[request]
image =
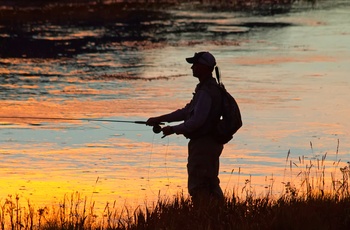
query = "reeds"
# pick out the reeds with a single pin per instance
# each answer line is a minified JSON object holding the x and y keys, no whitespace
{"x":309,"y":200}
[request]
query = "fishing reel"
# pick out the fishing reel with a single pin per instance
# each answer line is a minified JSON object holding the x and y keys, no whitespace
{"x":157,"y":128}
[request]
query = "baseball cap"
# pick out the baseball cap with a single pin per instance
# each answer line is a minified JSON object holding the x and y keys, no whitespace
{"x":204,"y":58}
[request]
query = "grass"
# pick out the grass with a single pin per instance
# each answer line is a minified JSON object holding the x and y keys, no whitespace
{"x":288,"y":212}
{"x":308,"y":206}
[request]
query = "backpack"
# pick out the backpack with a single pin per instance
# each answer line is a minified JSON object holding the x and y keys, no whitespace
{"x":230,"y":121}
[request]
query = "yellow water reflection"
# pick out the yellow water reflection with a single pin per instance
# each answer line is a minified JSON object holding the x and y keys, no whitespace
{"x":119,"y":170}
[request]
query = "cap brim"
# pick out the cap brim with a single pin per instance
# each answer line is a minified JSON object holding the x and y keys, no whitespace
{"x":190,"y":60}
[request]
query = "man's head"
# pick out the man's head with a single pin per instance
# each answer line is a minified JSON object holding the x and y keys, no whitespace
{"x":203,"y":64}
{"x":204,"y":58}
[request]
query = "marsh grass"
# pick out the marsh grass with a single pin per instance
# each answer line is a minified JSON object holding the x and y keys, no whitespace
{"x":320,"y":200}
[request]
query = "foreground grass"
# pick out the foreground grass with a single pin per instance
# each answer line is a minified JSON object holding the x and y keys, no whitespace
{"x":310,"y":206}
{"x":313,"y":212}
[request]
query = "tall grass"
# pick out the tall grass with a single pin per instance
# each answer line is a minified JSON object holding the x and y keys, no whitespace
{"x":319,"y":201}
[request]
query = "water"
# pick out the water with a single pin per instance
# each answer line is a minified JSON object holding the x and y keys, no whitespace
{"x":289,"y":74}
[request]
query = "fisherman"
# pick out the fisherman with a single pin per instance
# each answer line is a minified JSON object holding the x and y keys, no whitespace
{"x":199,"y":117}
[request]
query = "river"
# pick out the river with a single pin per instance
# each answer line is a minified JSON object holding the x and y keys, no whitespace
{"x":288,"y":72}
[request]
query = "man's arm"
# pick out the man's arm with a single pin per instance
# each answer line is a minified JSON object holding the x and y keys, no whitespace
{"x":200,"y":114}
{"x":177,"y":115}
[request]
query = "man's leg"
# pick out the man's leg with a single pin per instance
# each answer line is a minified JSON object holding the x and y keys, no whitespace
{"x":203,"y":170}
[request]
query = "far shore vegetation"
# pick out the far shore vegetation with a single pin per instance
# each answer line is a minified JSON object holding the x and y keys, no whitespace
{"x":77,"y":11}
{"x":320,"y":200}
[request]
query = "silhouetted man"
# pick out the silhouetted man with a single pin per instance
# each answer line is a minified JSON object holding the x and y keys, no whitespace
{"x":199,"y":117}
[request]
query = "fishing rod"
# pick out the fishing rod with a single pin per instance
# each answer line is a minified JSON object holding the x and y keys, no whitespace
{"x":156,"y":128}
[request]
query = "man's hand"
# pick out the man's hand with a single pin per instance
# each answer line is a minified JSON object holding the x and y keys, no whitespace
{"x":153,"y":121}
{"x":167,"y":130}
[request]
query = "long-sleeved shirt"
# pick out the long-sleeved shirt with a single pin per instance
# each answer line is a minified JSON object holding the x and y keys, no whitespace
{"x":196,"y":113}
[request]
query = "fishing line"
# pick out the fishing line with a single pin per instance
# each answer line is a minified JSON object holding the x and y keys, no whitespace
{"x":165,"y":163}
{"x":166,"y":166}
{"x":149,"y":165}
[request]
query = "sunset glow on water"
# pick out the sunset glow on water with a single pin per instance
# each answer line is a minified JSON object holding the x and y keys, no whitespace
{"x":291,"y":84}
